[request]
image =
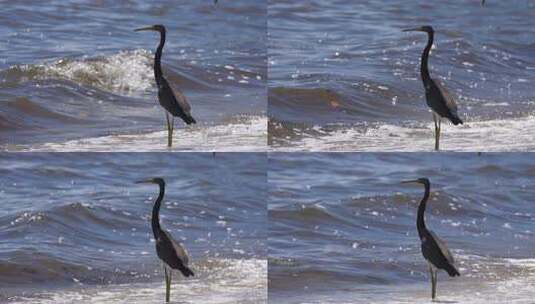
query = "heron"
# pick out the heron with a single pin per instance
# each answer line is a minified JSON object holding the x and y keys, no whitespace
{"x":171,"y":252}
{"x":171,"y":99}
{"x":433,"y":248}
{"x":438,"y":98}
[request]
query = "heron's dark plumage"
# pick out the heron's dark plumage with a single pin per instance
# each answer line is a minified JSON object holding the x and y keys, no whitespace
{"x":172,"y":253}
{"x":441,"y":102}
{"x":174,"y":102}
{"x":170,"y":98}
{"x":168,"y":249}
{"x":434,"y":249}
{"x":437,"y":253}
{"x":437,"y":96}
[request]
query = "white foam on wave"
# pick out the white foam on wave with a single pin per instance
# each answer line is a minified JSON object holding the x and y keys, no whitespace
{"x":513,"y":288}
{"x":126,"y":73}
{"x":480,"y":136}
{"x":237,"y":281}
{"x":244,"y":135}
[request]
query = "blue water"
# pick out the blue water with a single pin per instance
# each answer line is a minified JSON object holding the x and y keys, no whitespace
{"x":343,"y":228}
{"x":344,"y":77}
{"x":73,"y":70}
{"x":78,"y":222}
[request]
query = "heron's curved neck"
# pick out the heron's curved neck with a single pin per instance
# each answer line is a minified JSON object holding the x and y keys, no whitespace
{"x":156,"y":213}
{"x":424,"y":71}
{"x":420,"y":221}
{"x":158,"y":58}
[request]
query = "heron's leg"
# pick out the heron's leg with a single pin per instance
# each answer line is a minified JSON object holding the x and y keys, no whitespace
{"x":435,"y":120}
{"x":432,"y":282}
{"x":434,"y":291}
{"x":437,"y":131}
{"x":167,"y":284}
{"x":169,"y":131}
{"x":172,"y":126}
{"x":167,"y":119}
{"x":439,"y":127}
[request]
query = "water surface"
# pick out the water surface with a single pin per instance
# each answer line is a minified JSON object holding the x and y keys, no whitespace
{"x":74,"y":73}
{"x":342,"y":229}
{"x":343,"y":77}
{"x":75,"y":228}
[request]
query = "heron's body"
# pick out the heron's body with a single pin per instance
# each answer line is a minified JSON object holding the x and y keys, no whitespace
{"x":174,"y":102}
{"x":441,"y":102}
{"x":435,"y":252}
{"x":433,"y":248}
{"x":171,"y":252}
{"x":437,"y":96}
{"x":170,"y":98}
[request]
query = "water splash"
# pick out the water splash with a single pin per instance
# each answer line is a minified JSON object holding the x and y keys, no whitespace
{"x":126,"y":73}
{"x":247,"y":134}
{"x":235,"y":281}
{"x":506,"y":135}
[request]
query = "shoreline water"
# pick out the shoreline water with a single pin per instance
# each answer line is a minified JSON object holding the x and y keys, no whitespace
{"x":344,"y":77}
{"x":343,"y":228}
{"x":95,"y":77}
{"x":231,"y":281}
{"x":75,"y":227}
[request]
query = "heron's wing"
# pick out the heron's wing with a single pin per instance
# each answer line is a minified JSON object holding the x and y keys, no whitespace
{"x":448,"y":98}
{"x":181,"y":99}
{"x":180,"y":251}
{"x":443,"y":248}
{"x":171,"y":96}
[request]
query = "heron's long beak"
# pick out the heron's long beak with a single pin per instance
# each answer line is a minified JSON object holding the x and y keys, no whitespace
{"x":411,"y":181}
{"x":148,"y":28}
{"x":146,"y":181}
{"x":415,"y":29}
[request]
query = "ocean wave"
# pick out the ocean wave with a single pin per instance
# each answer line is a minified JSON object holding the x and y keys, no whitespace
{"x":511,"y":134}
{"x":364,"y":102}
{"x":73,"y":224}
{"x":305,"y":213}
{"x":89,"y":97}
{"x":125,"y":73}
{"x":30,"y":266}
{"x":128,"y":73}
{"x":241,"y":133}
{"x":218,"y":281}
{"x":24,"y":114}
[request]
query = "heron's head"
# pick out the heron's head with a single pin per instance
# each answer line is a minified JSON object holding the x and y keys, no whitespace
{"x":424,"y":181}
{"x":154,"y":180}
{"x":157,"y":27}
{"x":426,"y":28}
